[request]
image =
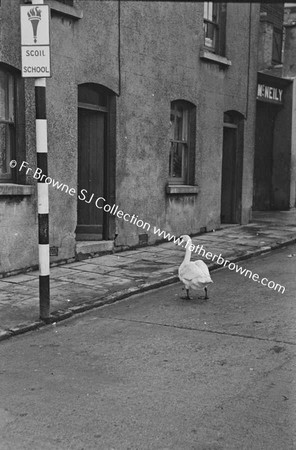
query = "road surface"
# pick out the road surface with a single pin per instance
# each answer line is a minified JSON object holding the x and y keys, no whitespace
{"x":159,"y":372}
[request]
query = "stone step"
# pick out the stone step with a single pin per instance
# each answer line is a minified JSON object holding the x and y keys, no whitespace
{"x":87,"y":249}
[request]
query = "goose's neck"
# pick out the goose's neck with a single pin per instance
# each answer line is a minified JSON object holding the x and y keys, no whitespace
{"x":188,"y":252}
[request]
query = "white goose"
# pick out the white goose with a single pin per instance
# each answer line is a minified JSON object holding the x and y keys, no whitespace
{"x":195,"y":274}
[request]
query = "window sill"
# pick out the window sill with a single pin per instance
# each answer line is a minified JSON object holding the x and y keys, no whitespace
{"x":65,"y":10}
{"x":8,"y":189}
{"x":173,"y":189}
{"x":213,"y":57}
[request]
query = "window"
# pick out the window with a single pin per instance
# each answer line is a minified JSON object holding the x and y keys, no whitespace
{"x":277,"y":46}
{"x":214,"y":27}
{"x":182,"y":142}
{"x":12,"y":130}
{"x":7,"y":123}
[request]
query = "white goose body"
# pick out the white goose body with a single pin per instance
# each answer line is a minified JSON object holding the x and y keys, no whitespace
{"x":193,"y":274}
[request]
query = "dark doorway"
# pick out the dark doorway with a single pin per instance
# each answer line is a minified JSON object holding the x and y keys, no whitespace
{"x":91,"y":156}
{"x":232,"y":168}
{"x":96,"y":162}
{"x":263,"y":159}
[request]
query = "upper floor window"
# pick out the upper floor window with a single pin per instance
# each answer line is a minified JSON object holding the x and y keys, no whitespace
{"x":214,"y":27}
{"x":182,"y":142}
{"x":277,"y":46}
{"x":12,"y":130}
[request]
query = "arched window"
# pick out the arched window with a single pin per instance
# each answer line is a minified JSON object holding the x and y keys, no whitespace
{"x":182,"y":142}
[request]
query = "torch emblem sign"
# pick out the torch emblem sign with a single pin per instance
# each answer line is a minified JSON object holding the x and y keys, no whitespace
{"x":34,"y":16}
{"x":35,"y":43}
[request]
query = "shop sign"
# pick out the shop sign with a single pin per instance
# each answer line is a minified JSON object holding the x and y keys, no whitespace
{"x":269,"y":94}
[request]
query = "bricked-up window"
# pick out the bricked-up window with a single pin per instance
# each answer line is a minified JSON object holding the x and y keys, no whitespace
{"x":182,"y":142}
{"x":214,"y":27}
{"x":277,"y":46}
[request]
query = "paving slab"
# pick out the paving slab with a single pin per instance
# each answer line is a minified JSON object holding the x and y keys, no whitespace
{"x":94,"y":268}
{"x":82,"y":285}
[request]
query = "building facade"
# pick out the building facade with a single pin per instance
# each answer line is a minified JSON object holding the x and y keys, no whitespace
{"x":275,"y":153}
{"x":151,"y":123}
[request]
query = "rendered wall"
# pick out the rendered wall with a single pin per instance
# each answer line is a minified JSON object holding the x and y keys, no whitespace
{"x":18,"y":218}
{"x":159,"y":66}
{"x":156,"y":62}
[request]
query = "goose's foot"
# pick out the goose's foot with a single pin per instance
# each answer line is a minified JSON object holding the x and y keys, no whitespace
{"x":206,"y":294}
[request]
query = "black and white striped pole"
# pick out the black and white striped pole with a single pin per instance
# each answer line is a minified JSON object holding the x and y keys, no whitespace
{"x":42,"y":193}
{"x":35,"y":47}
{"x":42,"y":188}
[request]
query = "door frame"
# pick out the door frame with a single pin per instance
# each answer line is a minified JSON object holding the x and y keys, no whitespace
{"x":235,"y":120}
{"x":268,"y":111}
{"x":91,"y":110}
{"x":109,"y":186}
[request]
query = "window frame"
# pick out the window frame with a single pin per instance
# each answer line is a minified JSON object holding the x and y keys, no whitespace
{"x":275,"y":52}
{"x":215,"y":16}
{"x":16,"y":125}
{"x":9,"y":122}
{"x":187,"y":141}
{"x":211,"y":18}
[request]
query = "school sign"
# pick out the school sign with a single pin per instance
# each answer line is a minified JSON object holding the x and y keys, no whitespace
{"x":35,"y":41}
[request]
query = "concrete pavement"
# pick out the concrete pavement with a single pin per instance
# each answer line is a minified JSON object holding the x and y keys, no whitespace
{"x":83,"y":285}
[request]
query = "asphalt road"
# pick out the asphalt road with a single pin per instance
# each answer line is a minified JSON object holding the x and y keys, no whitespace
{"x":159,"y":372}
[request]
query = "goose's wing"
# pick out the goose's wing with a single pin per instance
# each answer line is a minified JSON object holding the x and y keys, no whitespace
{"x":203,"y":271}
{"x":191,"y":271}
{"x":195,"y":274}
{"x":186,"y":272}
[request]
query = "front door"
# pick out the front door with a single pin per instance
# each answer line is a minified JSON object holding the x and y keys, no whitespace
{"x":91,"y":159}
{"x":228,"y":188}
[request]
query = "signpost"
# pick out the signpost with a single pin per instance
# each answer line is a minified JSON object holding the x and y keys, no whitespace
{"x":36,"y":64}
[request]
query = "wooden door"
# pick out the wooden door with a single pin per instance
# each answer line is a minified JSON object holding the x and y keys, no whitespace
{"x":91,"y":157}
{"x":229,"y":175}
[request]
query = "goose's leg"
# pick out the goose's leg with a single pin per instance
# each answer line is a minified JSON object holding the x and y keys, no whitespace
{"x":206,"y":294}
{"x":187,"y":294}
